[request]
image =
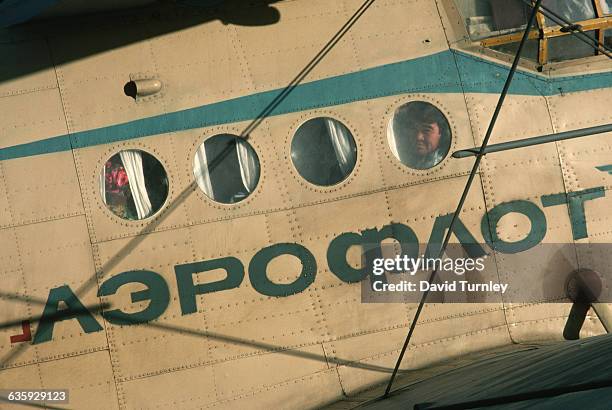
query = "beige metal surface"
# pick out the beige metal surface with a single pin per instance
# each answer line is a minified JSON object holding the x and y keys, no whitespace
{"x":242,"y":348}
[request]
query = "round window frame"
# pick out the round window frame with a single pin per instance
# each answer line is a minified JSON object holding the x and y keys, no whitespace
{"x":198,"y":142}
{"x":387,"y":120}
{"x":294,"y":171}
{"x":108,"y":154}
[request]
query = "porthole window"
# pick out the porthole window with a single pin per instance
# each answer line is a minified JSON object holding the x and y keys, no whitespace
{"x":323,"y":151}
{"x":133,"y":184}
{"x":226,"y":168}
{"x":419,"y":135}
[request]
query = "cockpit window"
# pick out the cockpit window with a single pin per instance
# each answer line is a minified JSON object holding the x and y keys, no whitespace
{"x":487,"y":18}
{"x":530,"y":51}
{"x":133,"y":184}
{"x":571,"y":10}
{"x":226,"y":168}
{"x":607,"y":10}
{"x":569,"y":47}
{"x":498,"y":25}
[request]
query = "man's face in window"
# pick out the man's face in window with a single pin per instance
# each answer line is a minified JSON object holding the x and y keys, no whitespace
{"x":427,"y":138}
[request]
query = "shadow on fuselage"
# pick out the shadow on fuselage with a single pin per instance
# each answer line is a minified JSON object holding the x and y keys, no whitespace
{"x":173,"y":205}
{"x":129,"y":27}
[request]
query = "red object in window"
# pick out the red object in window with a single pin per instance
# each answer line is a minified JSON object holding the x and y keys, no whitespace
{"x":115,"y":178}
{"x":121,"y":178}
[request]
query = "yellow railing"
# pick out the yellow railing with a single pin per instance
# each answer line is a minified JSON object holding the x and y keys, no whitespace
{"x":544,"y":32}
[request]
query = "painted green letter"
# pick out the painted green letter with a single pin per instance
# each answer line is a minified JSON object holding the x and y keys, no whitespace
{"x":157,"y":293}
{"x":75,"y":310}
{"x":336,"y":257}
{"x":466,"y":239}
{"x":259,"y":264}
{"x":370,"y":242}
{"x":537,"y":232}
{"x":575,"y":202}
{"x":187,"y":290}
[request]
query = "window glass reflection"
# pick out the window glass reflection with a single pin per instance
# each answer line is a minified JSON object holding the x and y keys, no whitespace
{"x":133,"y":184}
{"x":530,"y":50}
{"x":570,"y":10}
{"x":226,"y":168}
{"x":569,"y":47}
{"x":487,"y":18}
{"x":323,"y":151}
{"x":419,"y":135}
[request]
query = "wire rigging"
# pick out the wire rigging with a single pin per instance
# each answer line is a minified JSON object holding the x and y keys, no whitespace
{"x":471,"y":177}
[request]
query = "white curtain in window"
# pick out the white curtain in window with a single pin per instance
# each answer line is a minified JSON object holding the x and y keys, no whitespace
{"x":341,"y":141}
{"x":248,"y":166}
{"x":391,"y":139}
{"x":200,"y":170}
{"x":132,"y":162}
{"x":103,"y":183}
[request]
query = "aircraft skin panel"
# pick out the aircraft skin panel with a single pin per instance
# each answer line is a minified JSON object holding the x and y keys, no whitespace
{"x":49,"y":255}
{"x":355,"y":375}
{"x":25,"y":119}
{"x":578,"y":160}
{"x":26,"y":55}
{"x":268,"y":52}
{"x":393,"y":37}
{"x":240,"y":347}
{"x":89,"y":378}
{"x":546,"y":176}
{"x":92,"y":86}
{"x":280,"y":51}
{"x":26,"y":180}
{"x":5,"y":215}
{"x":272,"y":371}
{"x":216,"y":68}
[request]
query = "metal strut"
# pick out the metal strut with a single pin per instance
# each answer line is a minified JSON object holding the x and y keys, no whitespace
{"x":479,"y":156}
{"x":528,"y":142}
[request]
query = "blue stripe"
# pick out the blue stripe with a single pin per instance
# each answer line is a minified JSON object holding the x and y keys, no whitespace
{"x":46,"y":146}
{"x":445,"y":72}
{"x":482,"y":76}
